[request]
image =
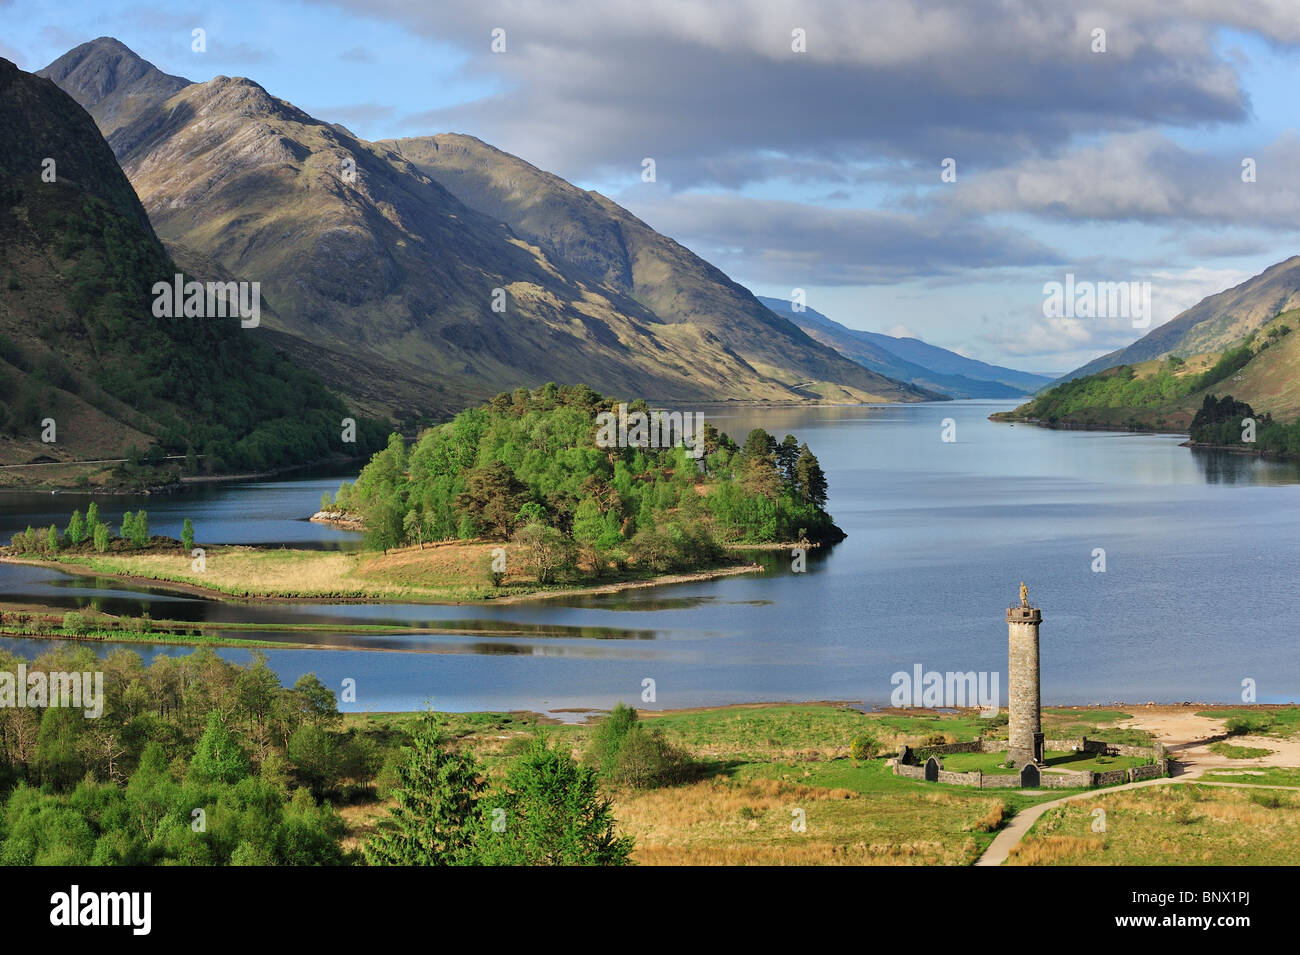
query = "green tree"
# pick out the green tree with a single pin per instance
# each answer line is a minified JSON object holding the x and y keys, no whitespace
{"x":552,"y":813}
{"x":76,"y":528}
{"x":545,"y":552}
{"x":218,"y":757}
{"x":92,"y":518}
{"x":492,"y":497}
{"x":316,"y":701}
{"x":187,"y":535}
{"x":810,"y":482}
{"x":101,"y":537}
{"x":436,"y":815}
{"x":52,"y":539}
{"x":140,"y":529}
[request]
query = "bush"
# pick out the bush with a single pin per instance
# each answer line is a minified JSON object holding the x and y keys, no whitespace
{"x":865,"y":745}
{"x":624,"y":751}
{"x":1245,"y":725}
{"x":75,"y":622}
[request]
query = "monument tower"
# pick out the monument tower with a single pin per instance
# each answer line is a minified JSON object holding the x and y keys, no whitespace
{"x":1024,"y":730}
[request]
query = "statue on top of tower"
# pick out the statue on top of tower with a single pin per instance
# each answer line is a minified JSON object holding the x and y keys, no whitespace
{"x":1024,"y":594}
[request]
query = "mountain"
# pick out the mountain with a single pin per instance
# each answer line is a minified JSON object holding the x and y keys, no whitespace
{"x":111,"y":83}
{"x":84,"y":361}
{"x":1215,"y":323}
{"x":592,"y":237}
{"x":391,"y":286}
{"x":912,"y":360}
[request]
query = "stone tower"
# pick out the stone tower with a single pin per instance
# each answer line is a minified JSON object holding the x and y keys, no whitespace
{"x":1024,"y":731}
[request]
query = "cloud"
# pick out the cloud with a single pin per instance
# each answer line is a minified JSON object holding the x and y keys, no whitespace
{"x":715,"y":93}
{"x":239,"y":52}
{"x":759,"y":240}
{"x":1077,"y":340}
{"x":1143,"y":177}
{"x":357,"y":54}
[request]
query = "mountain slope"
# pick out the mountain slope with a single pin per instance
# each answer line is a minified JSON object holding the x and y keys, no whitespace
{"x":1263,"y":370}
{"x":79,"y":343}
{"x":1213,"y":324}
{"x":607,"y":244}
{"x":929,"y":366}
{"x":386,"y":278}
{"x":111,"y":82}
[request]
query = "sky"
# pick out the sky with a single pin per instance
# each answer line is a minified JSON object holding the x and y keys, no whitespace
{"x":803,"y":146}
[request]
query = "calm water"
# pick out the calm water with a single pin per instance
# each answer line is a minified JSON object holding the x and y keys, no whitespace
{"x":1199,"y":590}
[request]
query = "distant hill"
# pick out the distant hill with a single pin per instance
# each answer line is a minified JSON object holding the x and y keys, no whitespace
{"x":1213,"y":324}
{"x":385,"y":275}
{"x":79,"y":343}
{"x":912,"y":360}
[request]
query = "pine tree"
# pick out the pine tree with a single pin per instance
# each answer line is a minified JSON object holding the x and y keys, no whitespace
{"x":436,"y":814}
{"x":187,"y":535}
{"x":810,"y":481}
{"x":551,"y":813}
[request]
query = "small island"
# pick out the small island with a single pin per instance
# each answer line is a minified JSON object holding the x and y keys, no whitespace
{"x":515,"y":499}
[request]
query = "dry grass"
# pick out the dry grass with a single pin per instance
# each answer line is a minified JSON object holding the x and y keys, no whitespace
{"x":749,"y":822}
{"x":1054,"y":850}
{"x":1169,"y":825}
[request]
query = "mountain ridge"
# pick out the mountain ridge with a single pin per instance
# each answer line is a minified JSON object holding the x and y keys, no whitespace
{"x":363,"y":254}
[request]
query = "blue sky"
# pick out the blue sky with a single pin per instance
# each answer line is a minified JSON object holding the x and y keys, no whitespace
{"x":820,"y":170}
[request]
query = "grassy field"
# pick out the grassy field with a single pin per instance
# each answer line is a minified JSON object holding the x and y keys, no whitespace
{"x":1281,"y":721}
{"x":1168,"y":825}
{"x":758,"y":765}
{"x":1239,"y":752}
{"x":452,"y":573}
{"x":1256,"y":776}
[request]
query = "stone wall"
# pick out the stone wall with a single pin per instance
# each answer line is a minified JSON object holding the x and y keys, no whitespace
{"x":1066,"y":781}
{"x":1110,"y":777}
{"x":907,"y":765}
{"x":1159,"y":768}
{"x":922,"y":753}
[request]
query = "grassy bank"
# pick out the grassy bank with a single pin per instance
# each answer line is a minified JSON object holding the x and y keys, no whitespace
{"x":443,"y":573}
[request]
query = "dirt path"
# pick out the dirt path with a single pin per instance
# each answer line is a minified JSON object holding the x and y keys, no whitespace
{"x":1188,"y":738}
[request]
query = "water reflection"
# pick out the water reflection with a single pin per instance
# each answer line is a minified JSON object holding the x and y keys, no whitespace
{"x":1227,"y":467}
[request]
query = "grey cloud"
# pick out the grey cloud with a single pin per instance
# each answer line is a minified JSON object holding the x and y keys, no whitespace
{"x":1143,"y":177}
{"x":766,"y":240}
{"x":598,"y":86}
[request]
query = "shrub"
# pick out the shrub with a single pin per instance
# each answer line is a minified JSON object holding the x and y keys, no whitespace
{"x":75,"y":622}
{"x":626,"y":752}
{"x":865,"y":745}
